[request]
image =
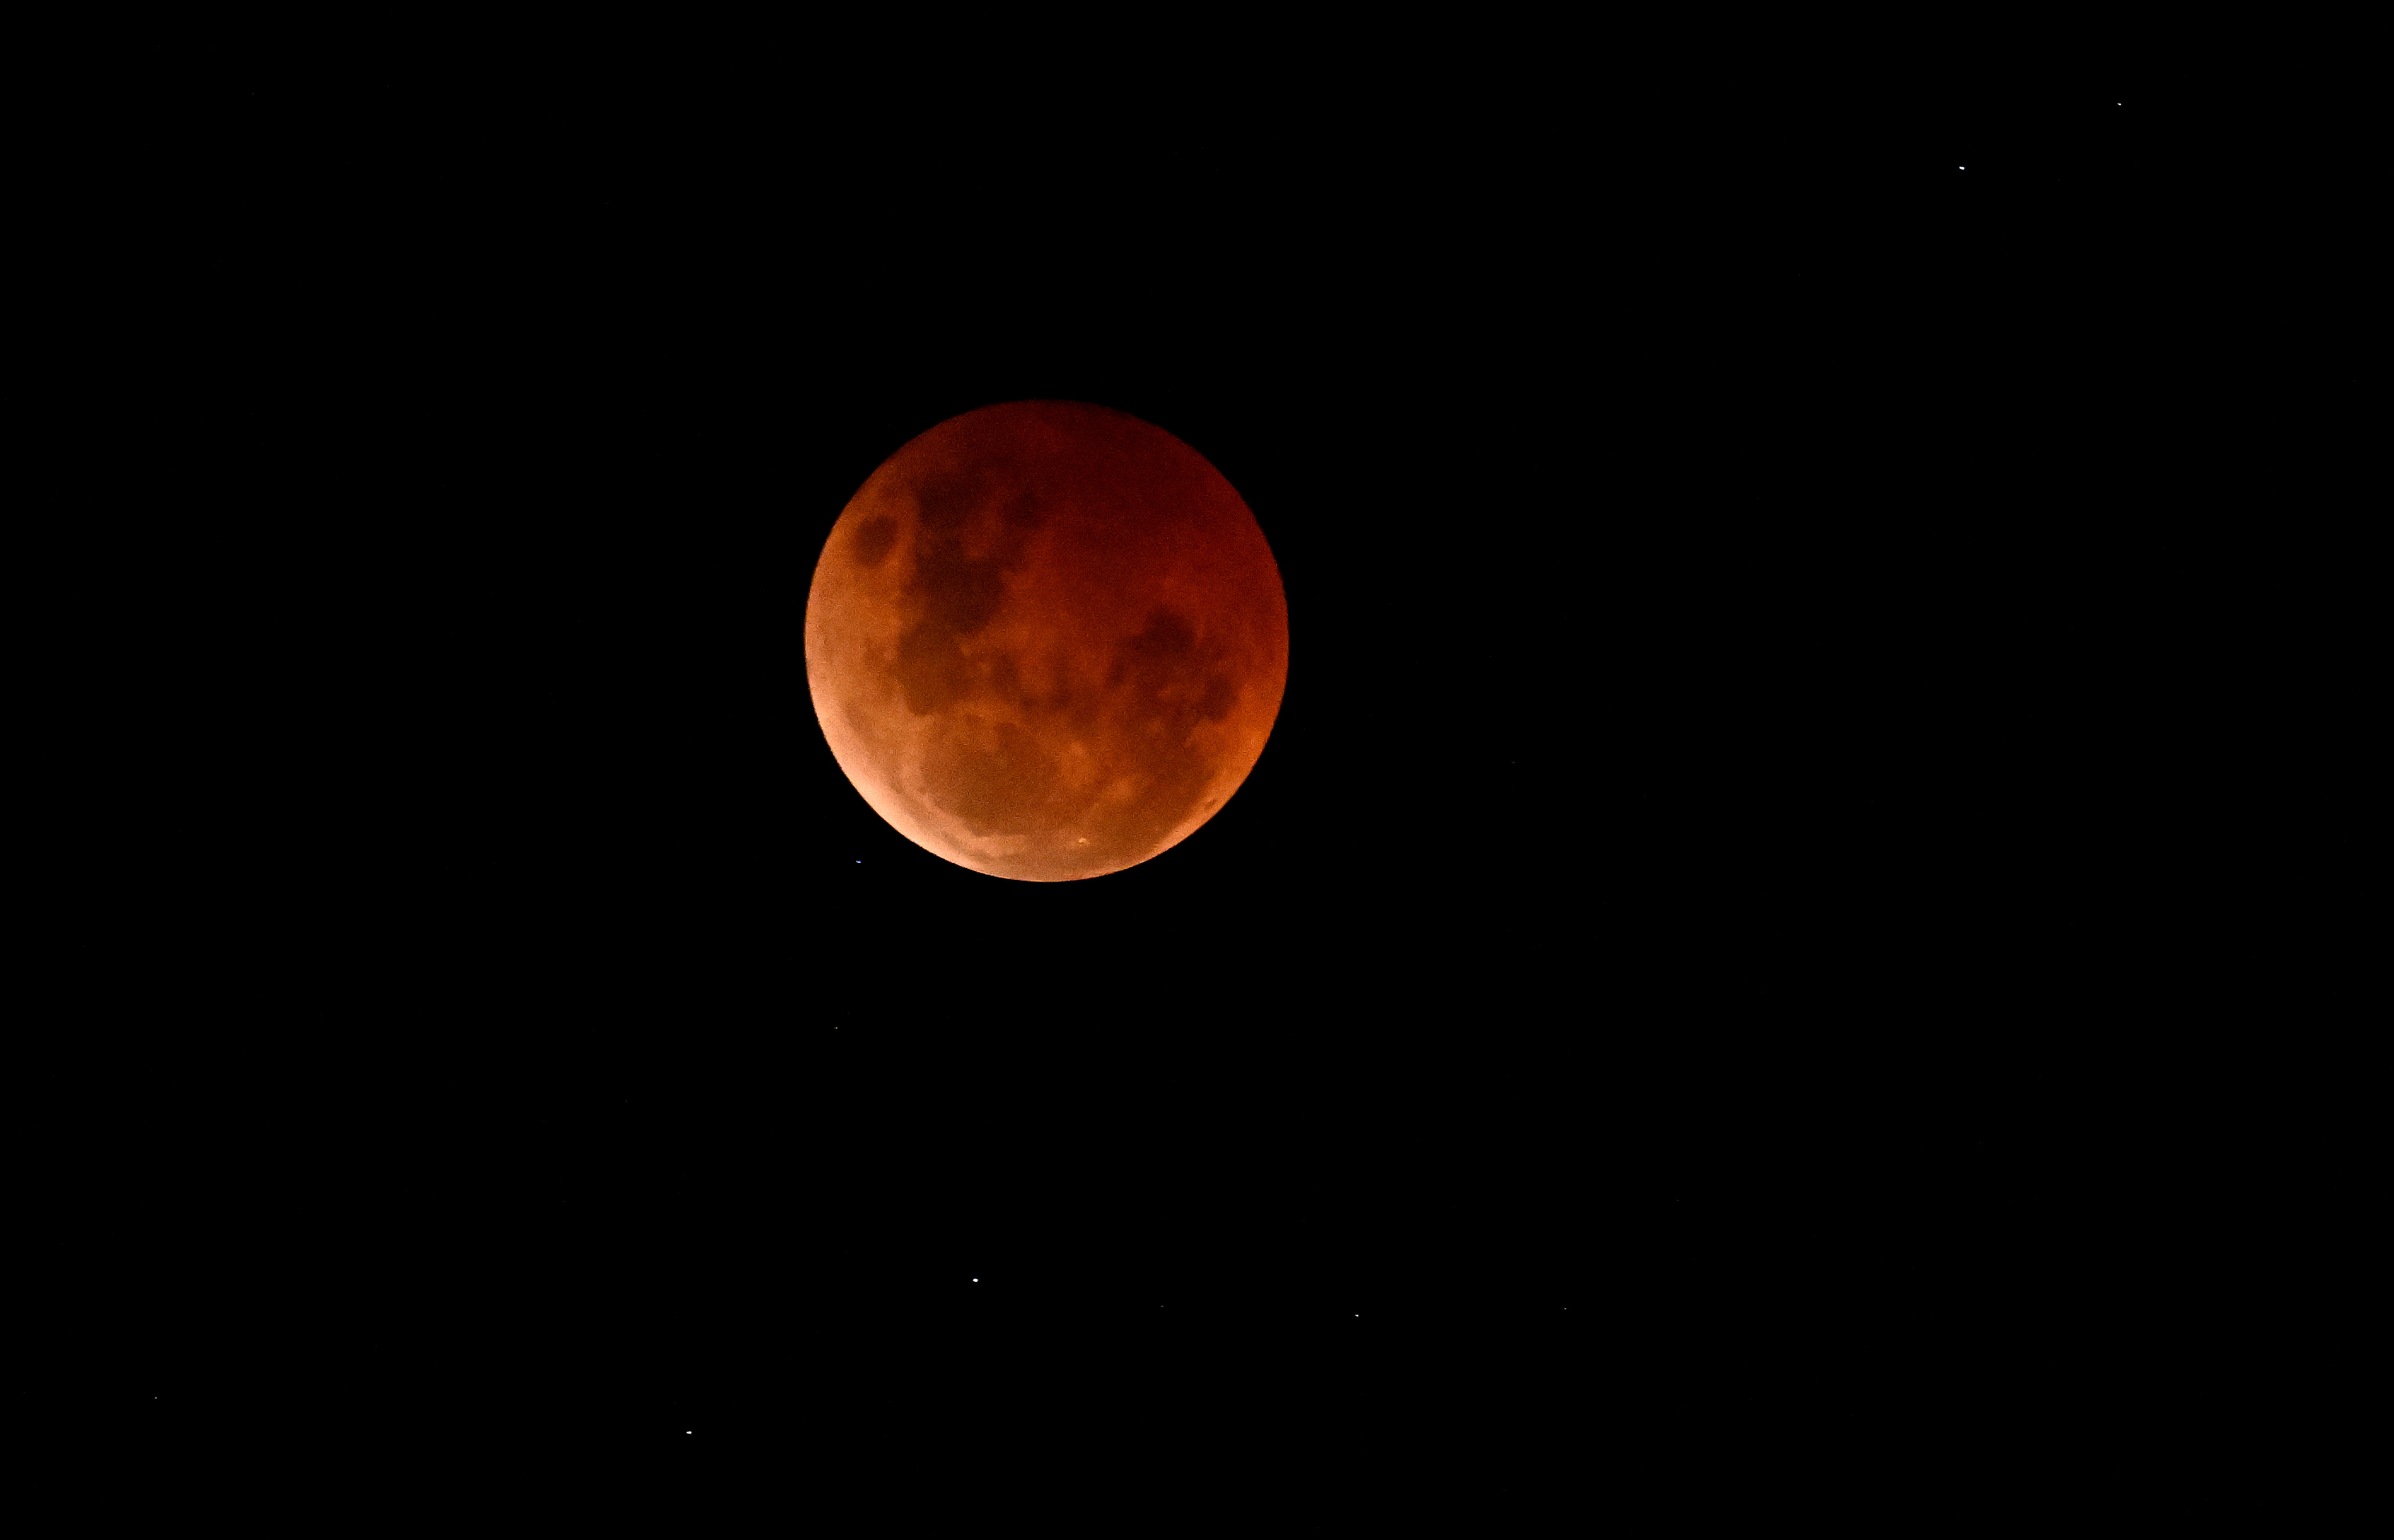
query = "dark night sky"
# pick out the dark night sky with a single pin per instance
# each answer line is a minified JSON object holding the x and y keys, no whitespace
{"x":1611,"y":959}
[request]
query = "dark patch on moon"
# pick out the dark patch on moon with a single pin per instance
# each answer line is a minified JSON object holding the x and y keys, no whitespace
{"x":950,"y":594}
{"x":1219,"y":697}
{"x":944,"y":500}
{"x":874,"y":539}
{"x":954,"y":595}
{"x":1167,"y":639}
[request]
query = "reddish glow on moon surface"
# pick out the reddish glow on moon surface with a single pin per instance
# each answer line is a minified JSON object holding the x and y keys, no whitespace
{"x":1047,"y":640}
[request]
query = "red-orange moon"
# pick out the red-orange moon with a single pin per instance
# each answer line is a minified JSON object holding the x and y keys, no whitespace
{"x":1047,"y":640}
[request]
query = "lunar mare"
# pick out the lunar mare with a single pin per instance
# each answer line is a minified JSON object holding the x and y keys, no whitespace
{"x":1047,"y":640}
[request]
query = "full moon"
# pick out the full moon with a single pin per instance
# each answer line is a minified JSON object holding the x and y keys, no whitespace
{"x":1047,"y":640}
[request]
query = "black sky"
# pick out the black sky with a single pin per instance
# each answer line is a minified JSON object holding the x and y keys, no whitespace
{"x":1613,"y":957}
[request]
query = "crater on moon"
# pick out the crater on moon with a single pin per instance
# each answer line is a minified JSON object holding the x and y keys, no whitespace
{"x":1047,"y":640}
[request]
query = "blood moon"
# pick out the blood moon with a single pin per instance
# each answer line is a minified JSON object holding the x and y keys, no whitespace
{"x":1047,"y":640}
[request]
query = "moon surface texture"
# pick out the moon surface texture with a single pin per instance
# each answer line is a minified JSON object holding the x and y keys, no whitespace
{"x":1047,"y":640}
